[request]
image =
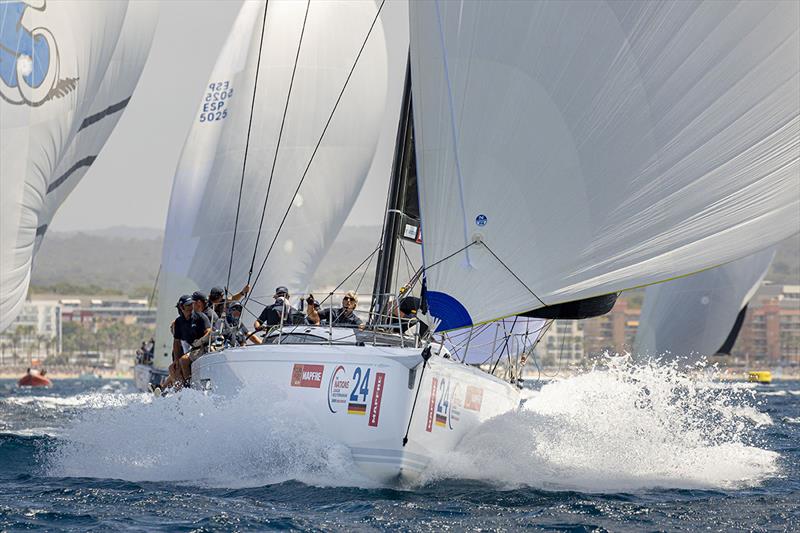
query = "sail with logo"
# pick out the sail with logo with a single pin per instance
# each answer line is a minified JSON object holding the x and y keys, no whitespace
{"x":67,"y":71}
{"x":566,"y":151}
{"x":299,"y":176}
{"x":700,"y":315}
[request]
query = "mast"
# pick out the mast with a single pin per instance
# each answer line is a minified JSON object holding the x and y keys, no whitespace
{"x":402,"y":205}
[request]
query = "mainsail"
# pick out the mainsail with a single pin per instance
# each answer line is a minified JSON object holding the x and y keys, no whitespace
{"x":67,"y":70}
{"x":205,"y":196}
{"x":691,"y":317}
{"x":568,"y":150}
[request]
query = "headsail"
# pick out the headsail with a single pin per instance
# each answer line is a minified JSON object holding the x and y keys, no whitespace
{"x":691,"y":317}
{"x":568,"y":150}
{"x":59,"y":62}
{"x":203,"y":207}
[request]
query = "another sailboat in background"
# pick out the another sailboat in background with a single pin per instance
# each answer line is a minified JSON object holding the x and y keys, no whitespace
{"x":700,"y":315}
{"x":239,"y":116}
{"x":562,"y":153}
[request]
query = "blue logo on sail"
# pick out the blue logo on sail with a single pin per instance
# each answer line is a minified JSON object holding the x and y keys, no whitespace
{"x":29,"y":60}
{"x":481,"y":220}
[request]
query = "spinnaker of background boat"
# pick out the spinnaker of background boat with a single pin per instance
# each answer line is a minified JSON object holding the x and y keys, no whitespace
{"x":67,"y":72}
{"x":695,"y":316}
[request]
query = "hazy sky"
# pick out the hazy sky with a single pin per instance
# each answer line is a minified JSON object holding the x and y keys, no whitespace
{"x":130,"y":183}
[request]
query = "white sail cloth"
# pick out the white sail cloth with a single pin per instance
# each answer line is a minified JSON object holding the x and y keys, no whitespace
{"x":67,"y":70}
{"x":593,"y":147}
{"x":691,"y":317}
{"x":203,"y":206}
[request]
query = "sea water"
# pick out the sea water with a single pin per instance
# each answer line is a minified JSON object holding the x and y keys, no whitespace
{"x":622,"y":447}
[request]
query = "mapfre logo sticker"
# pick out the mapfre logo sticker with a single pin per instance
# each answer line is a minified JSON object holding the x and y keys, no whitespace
{"x":307,"y":375}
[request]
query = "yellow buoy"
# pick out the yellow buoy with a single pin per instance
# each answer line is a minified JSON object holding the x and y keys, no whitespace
{"x":760,"y":376}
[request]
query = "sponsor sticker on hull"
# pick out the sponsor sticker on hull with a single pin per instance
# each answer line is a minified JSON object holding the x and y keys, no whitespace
{"x":473,"y":398}
{"x":354,"y":391}
{"x":431,"y":406}
{"x":307,"y":375}
{"x":377,"y":394}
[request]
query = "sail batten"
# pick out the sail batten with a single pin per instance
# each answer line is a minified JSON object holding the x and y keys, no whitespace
{"x":600,"y":147}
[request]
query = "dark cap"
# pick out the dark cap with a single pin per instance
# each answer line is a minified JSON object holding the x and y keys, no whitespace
{"x":216,"y":293}
{"x":281,"y":290}
{"x":199,"y":295}
{"x":183,"y":300}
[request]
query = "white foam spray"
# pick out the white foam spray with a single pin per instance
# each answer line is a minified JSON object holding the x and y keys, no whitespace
{"x":627,"y":427}
{"x":195,"y":438}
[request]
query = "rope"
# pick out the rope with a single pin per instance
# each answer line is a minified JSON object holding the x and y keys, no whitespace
{"x":246,"y":147}
{"x":512,"y":273}
{"x":319,"y":142}
{"x":278,"y":144}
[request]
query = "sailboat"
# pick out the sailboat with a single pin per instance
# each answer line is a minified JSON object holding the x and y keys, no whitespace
{"x":700,"y":315}
{"x":67,"y":72}
{"x":561,"y":153}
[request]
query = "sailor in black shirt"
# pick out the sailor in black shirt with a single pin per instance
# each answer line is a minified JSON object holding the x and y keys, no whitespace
{"x":271,"y":315}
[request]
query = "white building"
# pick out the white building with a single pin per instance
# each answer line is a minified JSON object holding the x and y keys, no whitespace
{"x":562,"y":344}
{"x":38,"y":318}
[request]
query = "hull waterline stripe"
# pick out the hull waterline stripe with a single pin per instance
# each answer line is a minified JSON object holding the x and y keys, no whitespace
{"x":110,"y":110}
{"x":391,"y":453}
{"x":85,"y":162}
{"x":386,"y":460}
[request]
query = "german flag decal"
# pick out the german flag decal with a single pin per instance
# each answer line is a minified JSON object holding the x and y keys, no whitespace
{"x":356,"y":408}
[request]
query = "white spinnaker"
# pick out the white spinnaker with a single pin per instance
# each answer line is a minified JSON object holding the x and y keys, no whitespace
{"x":54,"y":57}
{"x":204,"y":199}
{"x":106,"y":109}
{"x":691,"y":317}
{"x":598,"y":146}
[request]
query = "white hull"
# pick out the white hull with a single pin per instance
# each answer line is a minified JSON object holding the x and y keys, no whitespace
{"x":362,"y":396}
{"x":146,"y":375}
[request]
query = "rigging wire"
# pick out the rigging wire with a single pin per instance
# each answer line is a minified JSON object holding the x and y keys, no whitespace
{"x":155,"y":288}
{"x":278,"y":144}
{"x":246,"y":147}
{"x":319,"y":142}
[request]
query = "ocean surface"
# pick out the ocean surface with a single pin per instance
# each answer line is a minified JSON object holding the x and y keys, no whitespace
{"x":627,"y":448}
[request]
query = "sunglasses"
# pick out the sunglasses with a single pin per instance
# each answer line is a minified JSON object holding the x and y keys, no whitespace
{"x":347,"y":298}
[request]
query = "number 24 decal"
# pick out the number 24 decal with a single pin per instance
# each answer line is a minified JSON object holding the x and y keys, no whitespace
{"x":443,"y":404}
{"x":361,"y":387}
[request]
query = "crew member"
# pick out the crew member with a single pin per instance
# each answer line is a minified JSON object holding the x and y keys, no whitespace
{"x":407,"y":312}
{"x":234,"y":331}
{"x":277,"y":312}
{"x":189,"y":329}
{"x":216,"y":298}
{"x":343,"y":316}
{"x":201,"y":305}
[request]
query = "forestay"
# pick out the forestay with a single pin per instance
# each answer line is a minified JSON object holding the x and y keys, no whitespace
{"x":691,"y":317}
{"x":63,"y":67}
{"x":203,"y":206}
{"x":569,"y":149}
